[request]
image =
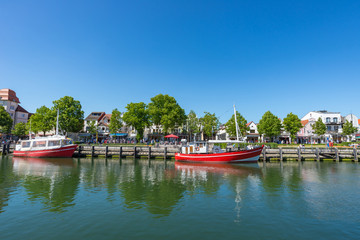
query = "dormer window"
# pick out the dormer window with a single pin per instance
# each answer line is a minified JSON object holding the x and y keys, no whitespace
{"x":327,"y":120}
{"x":335,"y":120}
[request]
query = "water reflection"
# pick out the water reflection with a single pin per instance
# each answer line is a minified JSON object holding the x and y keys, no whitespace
{"x":53,"y":182}
{"x":159,"y":188}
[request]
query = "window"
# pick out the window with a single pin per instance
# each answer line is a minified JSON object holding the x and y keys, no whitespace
{"x":12,"y":108}
{"x":66,"y":142}
{"x":336,"y":128}
{"x":335,"y":119}
{"x":54,"y":143}
{"x":23,"y":115}
{"x":327,"y":120}
{"x":329,"y":128}
{"x":25,"y":144}
{"x":39,"y":144}
{"x":252,"y":131}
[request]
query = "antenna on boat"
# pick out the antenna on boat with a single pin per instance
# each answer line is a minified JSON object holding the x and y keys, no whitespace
{"x":30,"y":130}
{"x":57,"y":123}
{"x":236,"y":125}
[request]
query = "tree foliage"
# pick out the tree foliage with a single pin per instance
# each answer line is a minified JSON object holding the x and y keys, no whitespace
{"x":231,"y":127}
{"x":71,"y":116}
{"x":165,"y":111}
{"x":137,"y":116}
{"x":5,"y":121}
{"x":319,"y":127}
{"x":92,"y":128}
{"x":43,"y":120}
{"x":270,"y":125}
{"x":210,"y":123}
{"x":192,"y":122}
{"x":348,"y":128}
{"x":115,"y":121}
{"x":292,"y":124}
{"x":19,"y":129}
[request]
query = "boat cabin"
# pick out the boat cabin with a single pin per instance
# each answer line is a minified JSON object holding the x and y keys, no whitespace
{"x":47,"y":143}
{"x":199,"y":147}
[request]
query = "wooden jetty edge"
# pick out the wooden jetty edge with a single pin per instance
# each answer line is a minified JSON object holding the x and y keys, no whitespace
{"x":168,"y":152}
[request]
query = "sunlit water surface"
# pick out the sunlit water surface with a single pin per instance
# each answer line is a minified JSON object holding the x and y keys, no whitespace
{"x":99,"y":199}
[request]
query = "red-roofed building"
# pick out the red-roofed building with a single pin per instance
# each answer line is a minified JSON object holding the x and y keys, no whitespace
{"x":10,"y":102}
{"x":252,"y":134}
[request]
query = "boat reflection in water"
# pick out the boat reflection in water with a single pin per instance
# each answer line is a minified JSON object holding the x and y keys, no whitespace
{"x":41,"y":166}
{"x":238,"y":177}
{"x":225,"y":169}
{"x":51,"y":182}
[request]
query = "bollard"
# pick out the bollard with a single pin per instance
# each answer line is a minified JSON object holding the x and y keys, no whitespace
{"x":165,"y":152}
{"x":337,"y":158}
{"x":79,"y":151}
{"x":149,"y":156}
{"x":264,"y":154}
{"x":317,"y":155}
{"x":299,"y":154}
{"x":120,"y":153}
{"x":355,"y":155}
{"x":134,"y":152}
{"x":106,"y":152}
{"x":281,"y":154}
{"x":92,"y":151}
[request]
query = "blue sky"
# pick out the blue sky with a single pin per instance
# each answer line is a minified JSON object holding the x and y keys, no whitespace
{"x":283,"y":56}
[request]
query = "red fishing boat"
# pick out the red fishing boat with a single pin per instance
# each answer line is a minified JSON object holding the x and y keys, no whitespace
{"x":54,"y":146}
{"x":198,"y":152}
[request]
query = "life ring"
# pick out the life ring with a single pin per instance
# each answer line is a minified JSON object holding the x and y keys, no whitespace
{"x":197,"y":148}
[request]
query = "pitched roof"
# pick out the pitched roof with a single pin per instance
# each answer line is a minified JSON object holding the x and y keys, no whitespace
{"x":95,"y":116}
{"x":21,"y":109}
{"x":108,"y":116}
{"x":248,"y":124}
{"x":304,"y":122}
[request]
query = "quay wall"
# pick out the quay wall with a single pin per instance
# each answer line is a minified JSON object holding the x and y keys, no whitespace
{"x":168,"y":152}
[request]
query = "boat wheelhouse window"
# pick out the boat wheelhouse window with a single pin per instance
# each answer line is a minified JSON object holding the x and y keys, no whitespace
{"x":53,"y":143}
{"x":66,"y":142}
{"x":39,"y":144}
{"x":25,"y":144}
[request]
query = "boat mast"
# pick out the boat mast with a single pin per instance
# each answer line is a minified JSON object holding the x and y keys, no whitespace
{"x":236,"y":125}
{"x":57,"y":123}
{"x":30,"y":130}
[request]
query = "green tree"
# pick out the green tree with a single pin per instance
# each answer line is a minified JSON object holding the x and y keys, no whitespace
{"x":231,"y":127}
{"x":165,"y":111}
{"x":115,"y":121}
{"x":319,"y":127}
{"x":71,"y":116}
{"x":292,"y":124}
{"x":43,"y":120}
{"x":5,"y":121}
{"x":210,"y":123}
{"x":92,"y":128}
{"x":192,"y":123}
{"x":270,"y":125}
{"x":137,"y":116}
{"x":19,"y":129}
{"x":348,"y":128}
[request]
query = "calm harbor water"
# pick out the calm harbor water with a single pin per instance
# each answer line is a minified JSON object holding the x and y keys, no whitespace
{"x":84,"y":199}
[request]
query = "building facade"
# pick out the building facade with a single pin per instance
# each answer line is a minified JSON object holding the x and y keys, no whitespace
{"x":10,"y":102}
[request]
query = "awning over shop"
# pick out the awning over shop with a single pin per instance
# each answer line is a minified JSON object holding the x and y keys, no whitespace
{"x":119,"y":134}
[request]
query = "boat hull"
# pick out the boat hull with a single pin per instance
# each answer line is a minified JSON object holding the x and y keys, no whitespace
{"x":66,"y":151}
{"x":246,"y":156}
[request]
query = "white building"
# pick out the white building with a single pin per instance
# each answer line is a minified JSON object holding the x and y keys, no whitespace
{"x":332,"y":120}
